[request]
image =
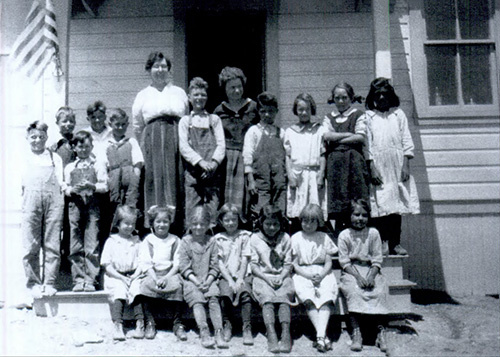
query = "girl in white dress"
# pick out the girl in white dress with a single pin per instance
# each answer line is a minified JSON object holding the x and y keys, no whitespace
{"x":314,"y":281}
{"x":393,"y":192}
{"x":120,"y":261}
{"x":305,"y":160}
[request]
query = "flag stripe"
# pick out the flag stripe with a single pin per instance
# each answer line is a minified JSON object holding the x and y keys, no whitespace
{"x":37,"y":44}
{"x":29,"y":32}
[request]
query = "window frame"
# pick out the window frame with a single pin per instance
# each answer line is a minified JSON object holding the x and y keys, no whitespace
{"x":419,"y":76}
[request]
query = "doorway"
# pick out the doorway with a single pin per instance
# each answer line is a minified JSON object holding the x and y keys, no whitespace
{"x":217,"y":40}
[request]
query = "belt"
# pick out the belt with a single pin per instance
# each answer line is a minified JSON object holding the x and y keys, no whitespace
{"x":171,"y":119}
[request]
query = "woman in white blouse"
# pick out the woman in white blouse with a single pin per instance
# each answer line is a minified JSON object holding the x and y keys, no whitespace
{"x":156,"y":112}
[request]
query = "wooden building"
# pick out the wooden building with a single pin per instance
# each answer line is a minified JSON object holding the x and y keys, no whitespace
{"x":442,"y":57}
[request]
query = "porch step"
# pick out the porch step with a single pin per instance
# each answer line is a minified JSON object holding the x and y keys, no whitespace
{"x":95,"y":304}
{"x":74,"y":304}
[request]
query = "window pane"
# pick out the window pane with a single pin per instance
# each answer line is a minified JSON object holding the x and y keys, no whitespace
{"x":476,"y":78}
{"x":473,"y":18}
{"x":440,"y":19}
{"x":441,"y":69}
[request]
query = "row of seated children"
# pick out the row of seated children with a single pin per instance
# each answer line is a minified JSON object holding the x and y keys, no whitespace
{"x":235,"y":267}
{"x":86,"y":180}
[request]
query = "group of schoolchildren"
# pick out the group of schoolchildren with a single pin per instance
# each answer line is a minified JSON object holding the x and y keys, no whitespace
{"x":310,"y":179}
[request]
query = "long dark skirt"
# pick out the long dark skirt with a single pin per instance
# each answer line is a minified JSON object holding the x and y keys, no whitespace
{"x":163,"y":174}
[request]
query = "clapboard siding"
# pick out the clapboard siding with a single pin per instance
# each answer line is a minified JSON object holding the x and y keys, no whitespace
{"x":107,"y":57}
{"x":317,"y":50}
{"x":465,"y":256}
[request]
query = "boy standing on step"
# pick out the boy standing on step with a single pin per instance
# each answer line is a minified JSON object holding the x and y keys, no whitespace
{"x":83,"y":180}
{"x":42,"y":209}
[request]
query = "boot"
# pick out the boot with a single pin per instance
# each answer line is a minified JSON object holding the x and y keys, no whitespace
{"x":139,"y":330}
{"x":381,"y":341}
{"x":247,"y":334}
{"x":286,"y":339}
{"x":118,"y":334}
{"x":227,"y":332}
{"x":219,"y":339}
{"x":180,"y":332}
{"x":206,"y":340}
{"x":150,"y":332}
{"x":357,"y":340}
{"x":272,"y":339}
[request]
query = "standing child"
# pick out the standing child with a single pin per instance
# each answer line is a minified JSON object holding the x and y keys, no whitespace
{"x":159,"y":259}
{"x":264,"y":159}
{"x":390,"y":147}
{"x":66,"y":121}
{"x":271,"y":265}
{"x":362,"y":282}
{"x":84,"y":179}
{"x":199,"y":266}
{"x":305,"y":160}
{"x":120,"y":261}
{"x":237,"y":114}
{"x":125,"y":161}
{"x":96,"y":115}
{"x":315,"y":283}
{"x":235,"y":284}
{"x":42,"y":210}
{"x":202,"y":145}
{"x":347,"y":173}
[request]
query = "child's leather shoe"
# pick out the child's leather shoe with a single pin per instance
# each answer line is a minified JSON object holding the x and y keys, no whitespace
{"x":219,"y":339}
{"x":357,"y":340}
{"x":207,"y":340}
{"x":150,"y":331}
{"x":139,"y":332}
{"x":118,"y":334}
{"x":381,"y":340}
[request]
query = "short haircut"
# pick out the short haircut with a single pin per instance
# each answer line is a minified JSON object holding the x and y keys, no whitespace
{"x":98,"y":106}
{"x":155,"y":211}
{"x":359,"y":203}
{"x":65,"y":112}
{"x":124,"y":212}
{"x":271,"y":212}
{"x":381,"y":85}
{"x":313,"y":211}
{"x":198,"y":83}
{"x":350,"y":92}
{"x":117,"y":114}
{"x":229,"y":73}
{"x":199,"y":213}
{"x":228,"y":208}
{"x":37,"y":125}
{"x":305,"y":97}
{"x":80,"y":137}
{"x":156,"y":56}
{"x":267,"y":99}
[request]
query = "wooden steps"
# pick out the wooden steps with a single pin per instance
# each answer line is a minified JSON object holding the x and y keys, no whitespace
{"x":95,"y":304}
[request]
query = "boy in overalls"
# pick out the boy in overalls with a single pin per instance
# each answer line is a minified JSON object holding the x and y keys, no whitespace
{"x":264,"y":159}
{"x":42,"y":210}
{"x":202,"y":146}
{"x":83,"y":180}
{"x":125,"y":161}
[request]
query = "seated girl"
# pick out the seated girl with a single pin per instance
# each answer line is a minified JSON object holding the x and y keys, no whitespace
{"x":362,"y":283}
{"x":315,"y":283}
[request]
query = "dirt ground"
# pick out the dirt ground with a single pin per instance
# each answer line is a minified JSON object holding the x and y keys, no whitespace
{"x":464,"y":327}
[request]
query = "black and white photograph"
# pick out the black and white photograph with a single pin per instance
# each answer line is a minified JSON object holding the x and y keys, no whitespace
{"x":249,"y":177}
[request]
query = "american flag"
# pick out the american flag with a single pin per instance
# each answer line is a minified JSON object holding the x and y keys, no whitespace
{"x":37,"y":44}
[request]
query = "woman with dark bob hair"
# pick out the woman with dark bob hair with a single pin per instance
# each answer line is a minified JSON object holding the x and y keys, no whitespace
{"x":156,"y":112}
{"x":237,"y":114}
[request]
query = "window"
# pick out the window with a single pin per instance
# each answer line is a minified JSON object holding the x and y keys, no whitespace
{"x":453,"y":58}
